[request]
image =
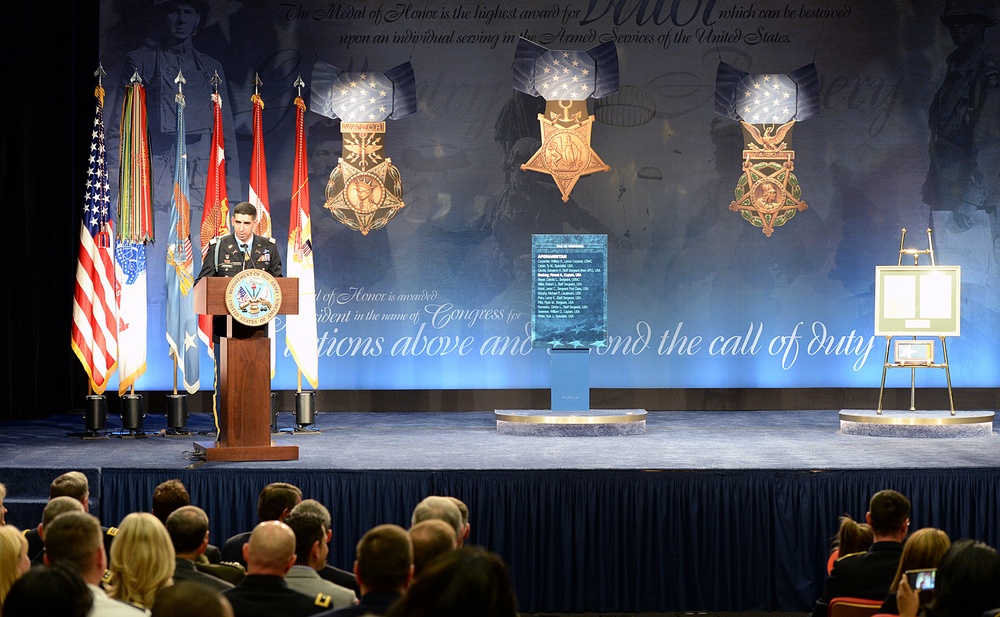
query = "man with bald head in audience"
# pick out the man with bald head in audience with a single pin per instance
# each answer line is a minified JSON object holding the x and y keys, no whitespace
{"x":269,"y":555}
{"x":430,"y":538}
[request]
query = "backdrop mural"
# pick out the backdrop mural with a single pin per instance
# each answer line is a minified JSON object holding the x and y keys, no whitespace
{"x":439,"y":297}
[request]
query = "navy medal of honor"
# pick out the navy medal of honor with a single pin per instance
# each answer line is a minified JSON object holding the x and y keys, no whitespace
{"x":253,"y":297}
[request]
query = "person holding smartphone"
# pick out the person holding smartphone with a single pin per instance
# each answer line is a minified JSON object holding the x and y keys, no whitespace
{"x":967,"y":584}
{"x":923,"y":549}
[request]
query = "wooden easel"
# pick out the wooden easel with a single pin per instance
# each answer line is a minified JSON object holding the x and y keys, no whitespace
{"x":886,"y":365}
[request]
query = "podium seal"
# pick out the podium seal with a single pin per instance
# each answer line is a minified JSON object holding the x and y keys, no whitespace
{"x":253,"y":297}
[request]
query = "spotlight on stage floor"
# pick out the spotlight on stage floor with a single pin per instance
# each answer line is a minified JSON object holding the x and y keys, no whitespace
{"x":95,"y":416}
{"x":177,"y":415}
{"x":305,"y":412}
{"x":131,"y":416}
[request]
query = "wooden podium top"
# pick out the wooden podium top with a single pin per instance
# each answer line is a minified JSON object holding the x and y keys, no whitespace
{"x":210,"y":296}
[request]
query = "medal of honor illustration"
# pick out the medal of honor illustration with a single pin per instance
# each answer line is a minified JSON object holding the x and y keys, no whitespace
{"x":767,"y":106}
{"x":566,"y":79}
{"x":365,"y":190}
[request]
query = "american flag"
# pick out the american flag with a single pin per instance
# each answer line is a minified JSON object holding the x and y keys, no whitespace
{"x":300,"y":329}
{"x":95,"y":297}
{"x":767,"y":99}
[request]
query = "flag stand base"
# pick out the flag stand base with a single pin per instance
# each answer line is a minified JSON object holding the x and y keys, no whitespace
{"x":95,"y":415}
{"x":177,"y":416}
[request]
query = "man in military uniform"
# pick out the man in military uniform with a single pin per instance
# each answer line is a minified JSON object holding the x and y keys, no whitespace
{"x":964,"y":120}
{"x":270,"y":554}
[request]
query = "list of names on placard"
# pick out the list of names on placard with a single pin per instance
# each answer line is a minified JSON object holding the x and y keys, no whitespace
{"x":563,"y":280}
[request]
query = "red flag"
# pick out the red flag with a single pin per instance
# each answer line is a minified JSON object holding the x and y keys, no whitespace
{"x":258,"y":171}
{"x":215,"y":215}
{"x":95,"y":297}
{"x":300,"y":329}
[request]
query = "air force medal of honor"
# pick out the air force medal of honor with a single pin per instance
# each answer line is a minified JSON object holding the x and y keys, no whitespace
{"x":253,"y":297}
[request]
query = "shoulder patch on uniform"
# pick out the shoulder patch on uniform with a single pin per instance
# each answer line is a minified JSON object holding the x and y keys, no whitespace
{"x":112,"y":531}
{"x":323,"y":600}
{"x":106,"y":577}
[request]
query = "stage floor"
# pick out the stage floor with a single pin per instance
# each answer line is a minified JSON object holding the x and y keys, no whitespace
{"x":675,"y":440}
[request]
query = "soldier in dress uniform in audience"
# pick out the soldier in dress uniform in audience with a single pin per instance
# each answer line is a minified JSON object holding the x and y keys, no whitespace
{"x":270,"y":554}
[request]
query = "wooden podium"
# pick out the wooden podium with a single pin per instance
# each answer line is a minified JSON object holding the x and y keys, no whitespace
{"x":244,"y":379}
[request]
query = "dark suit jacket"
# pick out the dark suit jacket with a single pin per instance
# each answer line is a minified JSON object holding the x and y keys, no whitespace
{"x":862,"y":575}
{"x":184,"y":570}
{"x":267,"y":596}
{"x":232,"y":550}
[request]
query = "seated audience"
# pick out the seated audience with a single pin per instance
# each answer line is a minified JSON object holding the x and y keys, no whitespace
{"x":187,"y":527}
{"x":269,"y":555}
{"x":274,"y":503}
{"x":312,"y":533}
{"x":14,"y":560}
{"x":868,"y":574}
{"x":190,"y":599}
{"x":430,"y":538}
{"x":852,"y":537}
{"x":75,"y":539}
{"x":58,"y":591}
{"x":923,"y":549}
{"x":466,"y":581}
{"x":967,"y":584}
{"x":142,"y":560}
{"x":441,"y":508}
{"x":466,"y":527}
{"x":384,"y":569}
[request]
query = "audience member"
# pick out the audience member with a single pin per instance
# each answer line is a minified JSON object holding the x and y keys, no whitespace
{"x":274,"y":503}
{"x":269,"y":555}
{"x":923,"y":549}
{"x":312,"y":533}
{"x":58,"y":591}
{"x":852,"y":537}
{"x":167,"y":497}
{"x":74,"y":539}
{"x":70,"y":484}
{"x":14,"y":560}
{"x":330,"y":573}
{"x":190,"y":599}
{"x":466,"y":581}
{"x":868,"y":574}
{"x":55,"y":507}
{"x":188,"y":530}
{"x":430,"y":539}
{"x":441,"y":508}
{"x":967,"y":583}
{"x":3,"y":509}
{"x":384,"y":568}
{"x":142,"y":560}
{"x":466,"y":527}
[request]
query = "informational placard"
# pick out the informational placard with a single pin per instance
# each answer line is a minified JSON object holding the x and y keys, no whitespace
{"x":569,"y":300}
{"x":918,"y":300}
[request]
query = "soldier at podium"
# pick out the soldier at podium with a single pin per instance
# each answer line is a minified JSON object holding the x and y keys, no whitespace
{"x":233,"y":253}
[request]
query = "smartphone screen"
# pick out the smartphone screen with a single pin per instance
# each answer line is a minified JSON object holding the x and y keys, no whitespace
{"x":921,"y":579}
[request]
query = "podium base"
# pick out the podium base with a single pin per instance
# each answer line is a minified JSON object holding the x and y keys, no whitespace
{"x":213,"y":451}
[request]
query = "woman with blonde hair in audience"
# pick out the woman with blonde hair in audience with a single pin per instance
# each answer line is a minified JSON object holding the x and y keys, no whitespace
{"x":142,"y":560}
{"x":852,"y":537}
{"x":13,"y":558}
{"x":923,"y":550}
